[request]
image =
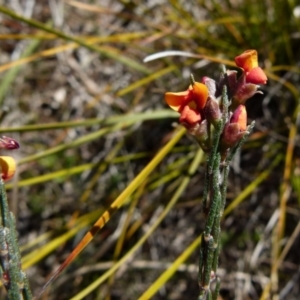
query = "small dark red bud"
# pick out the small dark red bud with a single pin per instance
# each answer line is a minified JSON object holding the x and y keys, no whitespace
{"x":212,"y":111}
{"x":232,"y":80}
{"x":200,"y":131}
{"x":8,"y":143}
{"x":244,"y":92}
{"x":211,"y":86}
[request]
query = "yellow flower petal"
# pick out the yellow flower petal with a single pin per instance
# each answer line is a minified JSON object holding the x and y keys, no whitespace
{"x":175,"y":100}
{"x":247,"y":60}
{"x":200,"y":92}
{"x":8,"y":167}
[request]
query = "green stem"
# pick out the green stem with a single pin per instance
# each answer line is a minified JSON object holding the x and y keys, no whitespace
{"x":201,"y":261}
{"x":210,"y":165}
{"x":215,"y":146}
{"x":217,"y":290}
{"x":224,"y":187}
{"x":13,"y":277}
{"x":4,"y":206}
{"x":215,"y":262}
{"x":216,"y":197}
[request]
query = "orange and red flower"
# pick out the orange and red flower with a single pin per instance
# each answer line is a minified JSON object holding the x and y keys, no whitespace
{"x":247,"y":85}
{"x":189,"y":103}
{"x":203,"y":105}
{"x":248,"y":61}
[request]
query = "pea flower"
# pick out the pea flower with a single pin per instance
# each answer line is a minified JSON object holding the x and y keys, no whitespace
{"x":247,"y":85}
{"x":7,"y":163}
{"x":248,"y":61}
{"x":203,"y":109}
{"x":189,"y":104}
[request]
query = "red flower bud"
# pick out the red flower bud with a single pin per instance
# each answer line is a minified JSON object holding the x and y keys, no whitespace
{"x":244,"y":91}
{"x":212,"y":111}
{"x":240,"y":117}
{"x":235,"y":129}
{"x":211,"y":86}
{"x":232,"y":80}
{"x":231,"y":135}
{"x":200,"y":132}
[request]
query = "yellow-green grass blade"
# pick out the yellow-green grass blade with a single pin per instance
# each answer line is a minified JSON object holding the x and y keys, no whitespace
{"x":110,"y":120}
{"x":9,"y":77}
{"x":65,"y":173}
{"x":161,"y":280}
{"x":119,"y":37}
{"x":125,"y":37}
{"x":146,"y":80}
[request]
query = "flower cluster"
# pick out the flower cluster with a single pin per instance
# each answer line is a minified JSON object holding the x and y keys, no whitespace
{"x":7,"y":163}
{"x":201,"y":105}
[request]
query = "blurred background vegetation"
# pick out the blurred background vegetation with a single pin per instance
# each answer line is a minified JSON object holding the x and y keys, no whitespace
{"x":89,"y":116}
